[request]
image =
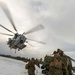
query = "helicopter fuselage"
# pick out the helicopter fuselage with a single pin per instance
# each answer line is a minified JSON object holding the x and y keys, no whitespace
{"x":17,"y":42}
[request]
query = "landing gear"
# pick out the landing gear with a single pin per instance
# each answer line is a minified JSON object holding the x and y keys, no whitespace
{"x":15,"y":50}
{"x":18,"y":49}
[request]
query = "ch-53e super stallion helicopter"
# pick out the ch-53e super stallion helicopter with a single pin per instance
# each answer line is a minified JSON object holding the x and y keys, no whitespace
{"x":18,"y":40}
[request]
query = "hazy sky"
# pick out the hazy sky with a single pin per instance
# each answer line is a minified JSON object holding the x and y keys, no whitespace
{"x":58,"y":18}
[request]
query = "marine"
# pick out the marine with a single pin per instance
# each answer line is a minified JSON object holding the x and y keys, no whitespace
{"x":67,"y":60}
{"x":31,"y":66}
{"x":57,"y":66}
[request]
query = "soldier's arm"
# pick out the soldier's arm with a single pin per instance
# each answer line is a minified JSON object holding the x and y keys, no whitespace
{"x":65,"y":68}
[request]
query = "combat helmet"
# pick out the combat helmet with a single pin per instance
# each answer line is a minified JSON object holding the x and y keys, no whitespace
{"x":54,"y":52}
{"x":60,"y":52}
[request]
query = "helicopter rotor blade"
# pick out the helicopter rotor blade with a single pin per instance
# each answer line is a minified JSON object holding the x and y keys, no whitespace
{"x":30,"y":44}
{"x":7,"y":12}
{"x":6,"y":34}
{"x":37,"y":28}
{"x":37,"y":41}
{"x":6,"y":29}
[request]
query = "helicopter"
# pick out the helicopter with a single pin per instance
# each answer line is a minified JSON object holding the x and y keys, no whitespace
{"x":18,"y":41}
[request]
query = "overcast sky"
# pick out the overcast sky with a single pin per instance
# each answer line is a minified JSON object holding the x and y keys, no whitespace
{"x":58,"y":18}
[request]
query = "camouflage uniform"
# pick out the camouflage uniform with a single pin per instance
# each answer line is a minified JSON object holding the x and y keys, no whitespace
{"x":56,"y":67}
{"x":31,"y":67}
{"x":67,"y":61}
